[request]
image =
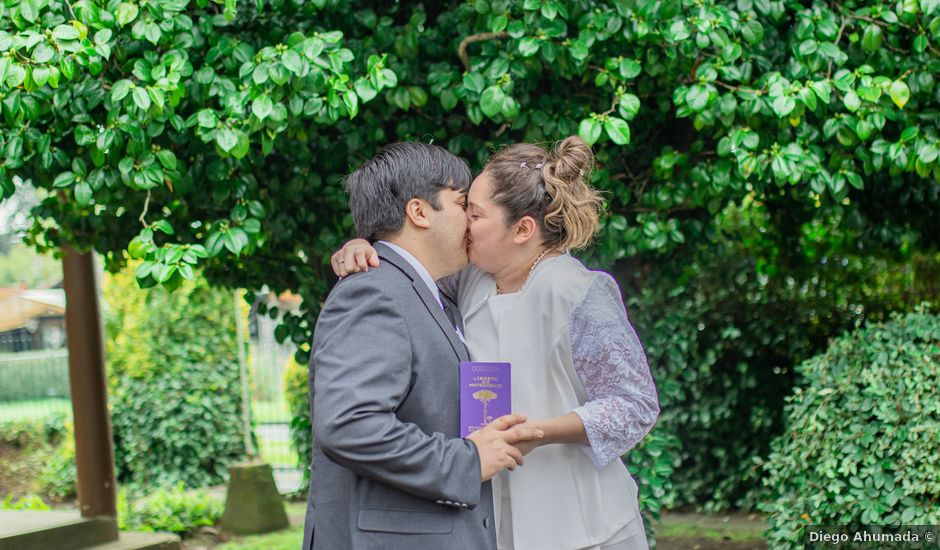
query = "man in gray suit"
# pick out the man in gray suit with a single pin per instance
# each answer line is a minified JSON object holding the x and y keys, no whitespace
{"x":389,"y":468}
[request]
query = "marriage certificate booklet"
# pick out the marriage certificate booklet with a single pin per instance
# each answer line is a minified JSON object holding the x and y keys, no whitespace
{"x":485,"y":394}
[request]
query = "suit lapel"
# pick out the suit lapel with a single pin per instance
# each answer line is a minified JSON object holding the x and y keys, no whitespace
{"x":429,"y":301}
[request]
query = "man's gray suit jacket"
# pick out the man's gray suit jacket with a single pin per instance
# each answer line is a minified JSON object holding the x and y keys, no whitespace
{"x":390,"y":470}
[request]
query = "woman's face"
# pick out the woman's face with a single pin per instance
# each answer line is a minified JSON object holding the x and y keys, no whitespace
{"x":490,"y":245}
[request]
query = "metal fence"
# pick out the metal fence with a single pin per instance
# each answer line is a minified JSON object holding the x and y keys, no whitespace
{"x":34,"y":387}
{"x":267,"y":362}
{"x":34,"y":384}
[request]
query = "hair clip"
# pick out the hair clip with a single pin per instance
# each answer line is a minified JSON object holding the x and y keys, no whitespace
{"x":523,"y":165}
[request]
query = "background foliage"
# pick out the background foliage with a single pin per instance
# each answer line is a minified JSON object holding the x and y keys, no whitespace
{"x":722,"y":339}
{"x":203,"y":134}
{"x":175,"y":395}
{"x":860,"y":445}
{"x":172,"y":509}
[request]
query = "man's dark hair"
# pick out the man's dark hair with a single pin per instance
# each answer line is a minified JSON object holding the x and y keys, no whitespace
{"x":380,"y":188}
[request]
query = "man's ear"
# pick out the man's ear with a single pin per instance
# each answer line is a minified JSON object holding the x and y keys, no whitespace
{"x":416,"y":212}
{"x":526,"y":228}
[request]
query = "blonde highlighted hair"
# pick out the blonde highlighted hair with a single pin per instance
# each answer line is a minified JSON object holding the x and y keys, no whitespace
{"x":550,"y":186}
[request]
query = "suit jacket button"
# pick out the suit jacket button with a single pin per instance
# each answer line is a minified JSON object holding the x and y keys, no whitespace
{"x":487,"y":522}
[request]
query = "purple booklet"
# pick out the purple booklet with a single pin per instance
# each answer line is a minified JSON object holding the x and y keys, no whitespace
{"x":485,"y":394}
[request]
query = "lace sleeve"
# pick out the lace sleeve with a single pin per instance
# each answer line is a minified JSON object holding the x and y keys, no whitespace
{"x":450,"y":284}
{"x":622,"y":403}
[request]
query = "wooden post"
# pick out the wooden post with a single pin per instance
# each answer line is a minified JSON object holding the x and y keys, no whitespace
{"x":94,"y":452}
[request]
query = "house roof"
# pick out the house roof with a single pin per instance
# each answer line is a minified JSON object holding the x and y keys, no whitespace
{"x":18,"y":306}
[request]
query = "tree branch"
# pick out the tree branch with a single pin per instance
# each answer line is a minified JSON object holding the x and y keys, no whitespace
{"x":143,"y":213}
{"x":838,"y":38}
{"x":483,"y":36}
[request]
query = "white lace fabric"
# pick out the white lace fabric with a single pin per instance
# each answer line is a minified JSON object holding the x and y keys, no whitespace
{"x":622,"y":402}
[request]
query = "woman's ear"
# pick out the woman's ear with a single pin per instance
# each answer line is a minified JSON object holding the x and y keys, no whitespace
{"x":526,"y":228}
{"x":416,"y":211}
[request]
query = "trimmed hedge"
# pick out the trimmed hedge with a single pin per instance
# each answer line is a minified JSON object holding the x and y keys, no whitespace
{"x":861,"y":444}
{"x":175,"y":394}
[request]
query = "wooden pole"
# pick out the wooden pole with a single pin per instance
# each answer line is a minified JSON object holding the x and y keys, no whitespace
{"x":94,"y":451}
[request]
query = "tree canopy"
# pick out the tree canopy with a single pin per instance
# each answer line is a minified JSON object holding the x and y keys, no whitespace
{"x":202,"y":134}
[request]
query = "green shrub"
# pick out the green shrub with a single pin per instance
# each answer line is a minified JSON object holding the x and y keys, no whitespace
{"x":175,"y":394}
{"x":723,"y":328}
{"x":25,"y":502}
{"x":59,"y":477}
{"x":652,"y":465}
{"x":296,"y":392}
{"x":861,"y":443}
{"x":169,"y":509}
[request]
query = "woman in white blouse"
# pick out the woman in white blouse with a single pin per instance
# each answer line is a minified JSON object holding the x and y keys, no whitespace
{"x":578,"y":369}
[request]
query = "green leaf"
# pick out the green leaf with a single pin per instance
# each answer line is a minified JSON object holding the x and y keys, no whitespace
{"x":167,"y":159}
{"x":126,"y":165}
{"x":242,"y":144}
{"x":900,"y":93}
{"x":589,"y":130}
{"x":679,"y":30}
{"x":120,"y":89}
{"x":618,"y":130}
{"x":783,"y":105}
{"x":829,"y":49}
{"x":65,"y":32}
{"x":498,"y":23}
{"x":262,"y":106}
{"x":292,"y":61}
{"x":365,"y":90}
{"x":351,"y":100}
{"x":528,"y":46}
{"x":143,"y":271}
{"x":808,"y":47}
{"x":82,"y":193}
{"x":163,"y":226}
{"x":872,"y":38}
{"x":808,"y":97}
{"x":252,"y":226}
{"x":491,"y":102}
{"x":126,"y":13}
{"x":854,"y":180}
{"x":230,"y":10}
{"x":141,"y":98}
{"x":226,"y":139}
{"x":909,"y":133}
{"x":5,"y":63}
{"x":629,"y":68}
{"x":852,"y":101}
{"x":64,"y":179}
{"x":629,"y":106}
{"x":697,"y":97}
{"x":152,"y":33}
{"x":102,"y":37}
{"x":823,"y":91}
{"x":474,"y":82}
{"x":215,"y":243}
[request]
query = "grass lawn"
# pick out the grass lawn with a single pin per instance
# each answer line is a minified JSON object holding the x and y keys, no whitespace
{"x":289,"y":539}
{"x":36,"y":410}
{"x":277,"y":453}
{"x":266,"y":412}
{"x":676,"y":531}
